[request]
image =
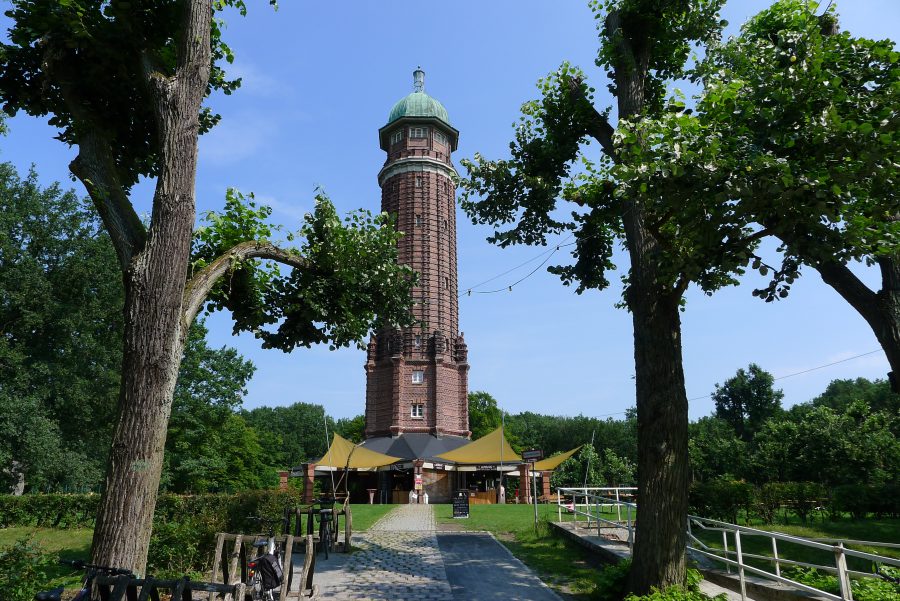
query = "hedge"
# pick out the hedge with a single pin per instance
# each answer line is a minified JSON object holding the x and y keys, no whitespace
{"x":184,"y":526}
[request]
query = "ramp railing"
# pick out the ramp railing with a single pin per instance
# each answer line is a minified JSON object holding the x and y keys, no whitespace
{"x":598,"y":508}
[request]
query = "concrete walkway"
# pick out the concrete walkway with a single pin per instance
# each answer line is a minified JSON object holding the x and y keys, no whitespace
{"x":402,"y":558}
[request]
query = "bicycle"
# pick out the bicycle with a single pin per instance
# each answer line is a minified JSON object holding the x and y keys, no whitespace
{"x":91,"y":572}
{"x":265,"y":570}
{"x":325,"y":516}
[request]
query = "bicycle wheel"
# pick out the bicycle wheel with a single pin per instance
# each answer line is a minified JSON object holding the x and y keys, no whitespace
{"x":256,"y":587}
{"x":326,"y":538}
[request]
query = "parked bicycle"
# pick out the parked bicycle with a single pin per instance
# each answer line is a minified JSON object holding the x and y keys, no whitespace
{"x":266,"y":571}
{"x":91,"y":571}
{"x":325,"y":517}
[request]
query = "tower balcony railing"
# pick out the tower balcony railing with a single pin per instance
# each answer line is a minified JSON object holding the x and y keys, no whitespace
{"x":418,"y":152}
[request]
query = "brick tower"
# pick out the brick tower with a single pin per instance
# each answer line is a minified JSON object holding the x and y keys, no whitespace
{"x":417,"y":377}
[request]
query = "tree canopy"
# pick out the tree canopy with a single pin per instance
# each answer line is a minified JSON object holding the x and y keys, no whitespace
{"x":747,"y":400}
{"x":795,"y":136}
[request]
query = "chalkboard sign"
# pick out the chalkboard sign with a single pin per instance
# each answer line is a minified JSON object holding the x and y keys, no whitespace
{"x":461,"y":504}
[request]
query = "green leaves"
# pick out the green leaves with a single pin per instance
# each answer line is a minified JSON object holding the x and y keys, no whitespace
{"x":86,"y":64}
{"x":349,"y":283}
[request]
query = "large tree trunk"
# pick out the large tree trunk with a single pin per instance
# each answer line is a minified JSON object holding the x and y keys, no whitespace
{"x":662,"y":409}
{"x":881,"y":309}
{"x":149,"y":371}
{"x":663,"y":469}
{"x":155,"y":329}
{"x":662,"y":429}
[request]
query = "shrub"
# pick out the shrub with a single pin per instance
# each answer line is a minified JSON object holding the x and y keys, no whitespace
{"x":804,"y":497}
{"x":852,"y":499}
{"x":24,"y":570}
{"x":721,"y":499}
{"x":676,"y":593}
{"x":612,"y":583}
{"x":864,"y":589}
{"x":769,"y":500}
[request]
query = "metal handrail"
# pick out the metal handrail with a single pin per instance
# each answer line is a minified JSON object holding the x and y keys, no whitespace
{"x":724,"y":554}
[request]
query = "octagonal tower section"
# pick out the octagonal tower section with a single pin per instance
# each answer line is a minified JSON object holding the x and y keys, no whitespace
{"x":417,"y":377}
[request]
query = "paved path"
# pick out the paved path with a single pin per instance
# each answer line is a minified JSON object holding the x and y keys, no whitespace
{"x":479,"y":567}
{"x":397,"y":559}
{"x":402,"y":558}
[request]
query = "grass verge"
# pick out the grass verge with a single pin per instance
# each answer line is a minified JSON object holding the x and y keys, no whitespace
{"x":366,"y":515}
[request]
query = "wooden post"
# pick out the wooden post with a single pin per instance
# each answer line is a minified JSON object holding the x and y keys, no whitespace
{"x":217,"y":560}
{"x":348,"y":529}
{"x":288,"y":565}
{"x":233,"y":564}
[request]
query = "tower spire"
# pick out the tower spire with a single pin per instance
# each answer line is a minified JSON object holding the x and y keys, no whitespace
{"x":419,"y":80}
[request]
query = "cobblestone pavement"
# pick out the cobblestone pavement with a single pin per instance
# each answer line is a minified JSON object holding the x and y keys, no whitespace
{"x":397,"y":559}
{"x":407,"y":518}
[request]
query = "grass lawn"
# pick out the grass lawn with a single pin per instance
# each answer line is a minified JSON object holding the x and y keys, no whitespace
{"x":564,"y":565}
{"x":69,"y":544}
{"x":366,"y":515}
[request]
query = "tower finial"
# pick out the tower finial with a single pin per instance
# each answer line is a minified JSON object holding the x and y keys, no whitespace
{"x":419,"y":80}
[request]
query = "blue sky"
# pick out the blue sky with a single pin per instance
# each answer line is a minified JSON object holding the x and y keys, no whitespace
{"x":319,"y":80}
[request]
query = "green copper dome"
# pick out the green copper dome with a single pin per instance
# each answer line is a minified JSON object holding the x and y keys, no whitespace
{"x":419,"y":104}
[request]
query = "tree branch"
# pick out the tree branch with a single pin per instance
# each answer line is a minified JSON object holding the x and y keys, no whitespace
{"x":838,"y":276}
{"x":202,"y":282}
{"x":600,"y":129}
{"x":95,"y":168}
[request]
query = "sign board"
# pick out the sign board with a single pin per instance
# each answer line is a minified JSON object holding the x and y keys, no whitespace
{"x":461,"y":504}
{"x":418,"y":481}
{"x":440,"y":466}
{"x":486,"y":468}
{"x":532,"y":455}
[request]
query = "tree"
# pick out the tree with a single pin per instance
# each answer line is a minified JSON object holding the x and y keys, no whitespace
{"x":205,"y":435}
{"x":747,"y":400}
{"x":60,"y":336}
{"x":484,"y":415}
{"x":581,"y":470}
{"x":877,"y":395}
{"x":853,"y":446}
{"x":797,"y":127}
{"x":299,"y":430}
{"x":125,"y":83}
{"x":615,"y":470}
{"x":644,"y":44}
{"x":716,"y":450}
{"x":352,"y":428}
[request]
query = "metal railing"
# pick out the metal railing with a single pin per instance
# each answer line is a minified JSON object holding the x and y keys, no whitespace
{"x":594,"y":502}
{"x":736,"y":558}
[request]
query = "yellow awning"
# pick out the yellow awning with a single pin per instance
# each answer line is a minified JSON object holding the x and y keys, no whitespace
{"x":491,"y":448}
{"x":342,"y":449}
{"x":551,"y":463}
